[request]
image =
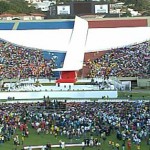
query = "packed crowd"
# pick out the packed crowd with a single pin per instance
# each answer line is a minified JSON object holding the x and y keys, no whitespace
{"x":132,"y":61}
{"x":91,"y":121}
{"x":21,"y":62}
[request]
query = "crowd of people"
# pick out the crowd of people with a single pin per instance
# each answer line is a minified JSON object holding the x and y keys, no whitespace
{"x":91,"y":121}
{"x":131,"y":61}
{"x":21,"y":62}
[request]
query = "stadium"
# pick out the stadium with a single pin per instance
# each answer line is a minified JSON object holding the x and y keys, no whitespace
{"x":116,"y":57}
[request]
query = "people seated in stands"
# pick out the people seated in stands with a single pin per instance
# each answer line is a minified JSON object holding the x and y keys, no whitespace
{"x":22,"y":62}
{"x":131,"y":61}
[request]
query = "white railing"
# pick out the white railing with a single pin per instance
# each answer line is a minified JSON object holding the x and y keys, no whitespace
{"x":42,"y":147}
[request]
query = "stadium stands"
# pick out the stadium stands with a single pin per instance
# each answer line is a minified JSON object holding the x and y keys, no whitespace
{"x":35,"y":63}
{"x":122,"y":62}
{"x":131,"y":61}
{"x":21,"y":62}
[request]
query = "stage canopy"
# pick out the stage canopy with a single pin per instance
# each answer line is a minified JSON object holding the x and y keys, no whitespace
{"x":98,"y":39}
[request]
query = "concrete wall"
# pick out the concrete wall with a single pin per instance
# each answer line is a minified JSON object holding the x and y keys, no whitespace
{"x":118,"y":23}
{"x":143,"y":82}
{"x":45,"y":25}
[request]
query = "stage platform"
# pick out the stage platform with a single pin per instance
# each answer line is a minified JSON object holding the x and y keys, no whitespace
{"x":58,"y":94}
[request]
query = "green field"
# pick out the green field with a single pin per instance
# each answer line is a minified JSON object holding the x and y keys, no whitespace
{"x":136,"y":94}
{"x":43,"y":139}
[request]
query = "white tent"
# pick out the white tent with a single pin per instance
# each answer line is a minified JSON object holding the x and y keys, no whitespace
{"x":58,"y":39}
{"x":77,"y":41}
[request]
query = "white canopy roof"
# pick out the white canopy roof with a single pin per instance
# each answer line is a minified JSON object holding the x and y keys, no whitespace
{"x":77,"y":41}
{"x":76,"y":46}
{"x":97,"y":39}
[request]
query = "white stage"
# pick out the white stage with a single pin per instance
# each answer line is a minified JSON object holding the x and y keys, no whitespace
{"x":59,"y":94}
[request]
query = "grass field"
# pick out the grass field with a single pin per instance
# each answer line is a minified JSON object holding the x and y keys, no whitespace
{"x":136,"y":94}
{"x":43,"y":139}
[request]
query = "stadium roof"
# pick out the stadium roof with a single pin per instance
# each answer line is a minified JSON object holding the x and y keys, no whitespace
{"x":98,"y":39}
{"x":58,"y":39}
{"x":77,"y":41}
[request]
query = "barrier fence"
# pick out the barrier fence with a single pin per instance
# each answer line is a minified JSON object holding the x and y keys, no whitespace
{"x":43,"y":147}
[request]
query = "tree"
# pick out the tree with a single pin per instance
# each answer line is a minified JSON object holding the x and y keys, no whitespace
{"x":19,"y":6}
{"x":16,"y":6}
{"x":11,"y":11}
{"x":4,"y":6}
{"x":138,"y":5}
